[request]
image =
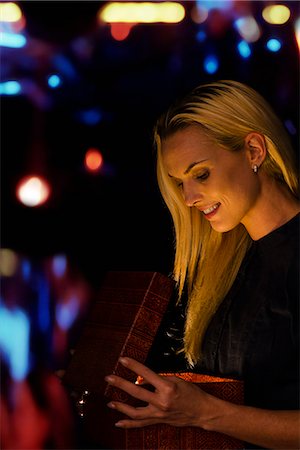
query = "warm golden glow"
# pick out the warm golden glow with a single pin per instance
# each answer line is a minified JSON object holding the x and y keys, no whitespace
{"x":10,"y":12}
{"x":276,"y":14}
{"x":148,"y":12}
{"x":297,"y":31}
{"x":8,"y":262}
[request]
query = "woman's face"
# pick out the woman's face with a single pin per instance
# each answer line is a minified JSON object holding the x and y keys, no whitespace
{"x":218,"y":182}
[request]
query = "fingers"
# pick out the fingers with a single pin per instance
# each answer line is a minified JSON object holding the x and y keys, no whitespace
{"x":147,"y":374}
{"x":131,"y":388}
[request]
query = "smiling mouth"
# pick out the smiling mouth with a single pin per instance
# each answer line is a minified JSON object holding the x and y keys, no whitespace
{"x":211,"y":209}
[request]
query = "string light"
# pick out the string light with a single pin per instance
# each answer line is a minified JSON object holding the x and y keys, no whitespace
{"x":297,"y":31}
{"x":54,"y":81}
{"x":8,"y":262}
{"x":144,"y":12}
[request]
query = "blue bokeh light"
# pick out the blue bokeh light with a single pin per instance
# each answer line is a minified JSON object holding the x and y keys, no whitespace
{"x":274,"y":45}
{"x":211,"y":64}
{"x":12,"y":40}
{"x":54,"y":81}
{"x":244,"y":49}
{"x":10,"y":88}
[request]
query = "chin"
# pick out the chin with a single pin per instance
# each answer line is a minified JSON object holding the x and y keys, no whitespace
{"x":223,"y":227}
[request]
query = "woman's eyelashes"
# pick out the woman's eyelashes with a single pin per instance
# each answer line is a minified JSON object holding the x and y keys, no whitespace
{"x":202,"y":176}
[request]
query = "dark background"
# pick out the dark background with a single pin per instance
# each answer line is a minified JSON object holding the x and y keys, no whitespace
{"x":116,"y":220}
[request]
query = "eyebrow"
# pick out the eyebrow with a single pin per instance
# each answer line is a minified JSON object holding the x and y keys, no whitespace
{"x":189,"y":168}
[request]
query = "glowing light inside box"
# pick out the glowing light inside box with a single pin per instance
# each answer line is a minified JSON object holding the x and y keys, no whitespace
{"x":244,"y":49}
{"x":142,"y":12}
{"x":10,"y":88}
{"x":33,"y":191}
{"x":14,"y":341}
{"x":248,"y":28}
{"x":12,"y":40}
{"x":10,"y":12}
{"x":274,"y":45}
{"x":276,"y":14}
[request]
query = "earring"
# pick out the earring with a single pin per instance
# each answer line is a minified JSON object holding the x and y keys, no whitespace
{"x":255,"y":168}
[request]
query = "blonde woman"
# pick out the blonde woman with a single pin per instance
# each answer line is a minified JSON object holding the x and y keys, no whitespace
{"x":227,"y":173}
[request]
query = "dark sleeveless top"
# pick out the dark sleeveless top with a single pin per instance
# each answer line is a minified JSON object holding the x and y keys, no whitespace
{"x":254,"y":335}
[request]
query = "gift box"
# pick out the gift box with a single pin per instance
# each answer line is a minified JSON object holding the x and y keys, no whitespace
{"x":123,"y":321}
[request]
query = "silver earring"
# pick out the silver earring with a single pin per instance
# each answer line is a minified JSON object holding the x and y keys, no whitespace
{"x":255,"y":168}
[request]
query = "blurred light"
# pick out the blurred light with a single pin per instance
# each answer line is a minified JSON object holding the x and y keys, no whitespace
{"x":276,"y":14}
{"x":26,"y":269}
{"x":290,"y":127}
{"x":14,"y":341}
{"x":273,"y":45}
{"x":248,"y":28}
{"x":201,"y":36}
{"x":33,"y":191}
{"x":10,"y":12}
{"x":144,"y":12}
{"x":297,"y":31}
{"x":199,"y":14}
{"x":120,"y":31}
{"x":66,"y":313}
{"x":43,"y":303}
{"x":59,"y":265}
{"x":12,"y":40}
{"x":8,"y":262}
{"x":244,"y":49}
{"x":93,"y":160}
{"x":211,"y":64}
{"x":214,"y":4}
{"x":54,"y":81}
{"x":10,"y":88}
{"x":90,"y":116}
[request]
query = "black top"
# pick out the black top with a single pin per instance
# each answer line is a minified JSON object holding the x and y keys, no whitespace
{"x":254,"y":334}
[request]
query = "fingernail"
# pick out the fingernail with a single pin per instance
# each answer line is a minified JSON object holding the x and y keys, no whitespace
{"x":111,"y":405}
{"x":109,"y":379}
{"x":123,"y":361}
{"x":119,"y":424}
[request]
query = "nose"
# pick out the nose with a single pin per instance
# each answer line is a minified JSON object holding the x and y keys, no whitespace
{"x":191,"y":194}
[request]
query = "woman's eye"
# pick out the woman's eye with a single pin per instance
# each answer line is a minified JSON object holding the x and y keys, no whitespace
{"x":179,"y":184}
{"x":202,"y":176}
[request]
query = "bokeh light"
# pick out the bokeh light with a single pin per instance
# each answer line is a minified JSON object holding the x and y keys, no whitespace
{"x":11,"y":87}
{"x":274,"y":45}
{"x":211,"y":64}
{"x":276,"y":14}
{"x":10,"y":12}
{"x":33,"y":191}
{"x":244,"y":49}
{"x":248,"y":28}
{"x":54,"y":81}
{"x":93,"y":160}
{"x":8,"y":262}
{"x":12,"y":40}
{"x":144,"y":12}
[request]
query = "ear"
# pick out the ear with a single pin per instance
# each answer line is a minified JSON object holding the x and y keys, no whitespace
{"x":256,"y":149}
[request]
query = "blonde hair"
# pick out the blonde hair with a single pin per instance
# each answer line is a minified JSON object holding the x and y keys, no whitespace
{"x":206,"y":261}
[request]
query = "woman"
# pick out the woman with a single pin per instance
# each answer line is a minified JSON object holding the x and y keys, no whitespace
{"x":227,"y":173}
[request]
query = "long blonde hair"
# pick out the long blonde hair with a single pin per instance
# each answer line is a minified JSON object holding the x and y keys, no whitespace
{"x":206,"y":261}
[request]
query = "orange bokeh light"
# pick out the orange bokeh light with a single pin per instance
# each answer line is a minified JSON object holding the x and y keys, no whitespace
{"x":93,"y":160}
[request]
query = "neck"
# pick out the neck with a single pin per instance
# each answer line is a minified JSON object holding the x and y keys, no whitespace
{"x":274,"y":207}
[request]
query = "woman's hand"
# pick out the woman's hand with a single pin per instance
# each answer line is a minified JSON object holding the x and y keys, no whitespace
{"x":174,"y":401}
